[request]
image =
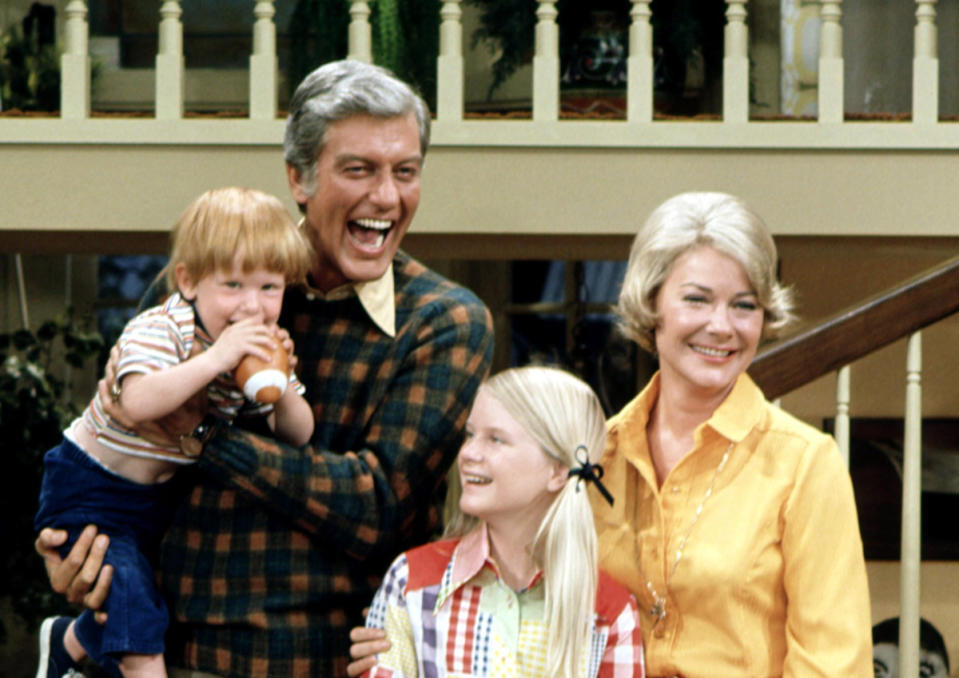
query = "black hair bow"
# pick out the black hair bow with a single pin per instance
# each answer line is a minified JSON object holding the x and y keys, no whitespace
{"x":589,"y":472}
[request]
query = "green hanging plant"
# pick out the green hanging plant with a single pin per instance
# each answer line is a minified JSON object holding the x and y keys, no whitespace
{"x":387,"y":41}
{"x":33,"y":414}
{"x":29,"y":72}
{"x":405,"y":37}
{"x":509,"y":26}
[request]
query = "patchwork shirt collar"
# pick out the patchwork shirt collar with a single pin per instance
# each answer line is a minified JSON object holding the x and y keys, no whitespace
{"x":470,"y":558}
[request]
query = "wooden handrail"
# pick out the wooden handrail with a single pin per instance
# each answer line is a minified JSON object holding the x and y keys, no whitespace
{"x":854,"y":332}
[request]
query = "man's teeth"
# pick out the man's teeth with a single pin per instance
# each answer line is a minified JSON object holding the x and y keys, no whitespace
{"x":375,"y":224}
{"x":372,"y":228}
{"x":715,"y":352}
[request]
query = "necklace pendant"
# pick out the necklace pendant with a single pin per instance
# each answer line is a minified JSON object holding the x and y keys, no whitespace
{"x":658,"y":609}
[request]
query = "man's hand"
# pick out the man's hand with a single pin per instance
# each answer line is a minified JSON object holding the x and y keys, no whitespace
{"x":81,"y":576}
{"x":366,"y":643}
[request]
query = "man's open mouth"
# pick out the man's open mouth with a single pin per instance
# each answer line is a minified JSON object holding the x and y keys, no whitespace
{"x":369,"y":233}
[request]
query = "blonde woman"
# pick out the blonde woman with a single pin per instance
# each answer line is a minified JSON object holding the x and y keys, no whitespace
{"x":515,"y":589}
{"x":734,"y":524}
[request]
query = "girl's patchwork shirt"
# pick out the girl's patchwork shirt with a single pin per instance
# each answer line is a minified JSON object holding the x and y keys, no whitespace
{"x":447,"y":612}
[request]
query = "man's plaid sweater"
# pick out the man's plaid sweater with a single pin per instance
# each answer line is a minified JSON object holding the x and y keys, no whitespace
{"x":277,"y":550}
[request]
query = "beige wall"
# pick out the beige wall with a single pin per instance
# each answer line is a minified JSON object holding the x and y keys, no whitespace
{"x":498,"y":190}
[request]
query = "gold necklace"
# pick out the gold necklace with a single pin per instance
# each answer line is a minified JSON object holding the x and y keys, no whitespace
{"x":658,"y":609}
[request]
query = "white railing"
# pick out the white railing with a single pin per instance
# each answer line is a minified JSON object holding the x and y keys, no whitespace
{"x":911,"y":515}
{"x":639,"y":129}
{"x":910,"y":551}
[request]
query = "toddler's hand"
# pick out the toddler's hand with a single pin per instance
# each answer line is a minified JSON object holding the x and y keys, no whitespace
{"x":238,"y":340}
{"x":286,"y":342}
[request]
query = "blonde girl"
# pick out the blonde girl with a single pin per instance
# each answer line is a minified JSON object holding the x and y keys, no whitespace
{"x":520,"y":556}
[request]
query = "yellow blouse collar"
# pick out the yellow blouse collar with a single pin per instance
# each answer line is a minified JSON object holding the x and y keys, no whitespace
{"x":733,"y":419}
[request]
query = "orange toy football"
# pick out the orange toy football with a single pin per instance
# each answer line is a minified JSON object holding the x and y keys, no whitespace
{"x":262,"y":381}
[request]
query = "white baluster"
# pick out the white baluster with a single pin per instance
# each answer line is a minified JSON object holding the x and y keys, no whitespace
{"x":842,"y":412}
{"x":546,"y":63}
{"x":75,"y":63}
{"x":263,"y":63}
{"x":169,"y":63}
{"x":361,"y":41}
{"x":736,"y":64}
{"x":925,"y":65}
{"x":639,"y":64}
{"x":831,"y":106}
{"x":911,"y":514}
{"x":449,"y":64}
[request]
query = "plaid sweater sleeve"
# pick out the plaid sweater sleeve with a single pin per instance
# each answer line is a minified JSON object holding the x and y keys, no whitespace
{"x":389,"y":413}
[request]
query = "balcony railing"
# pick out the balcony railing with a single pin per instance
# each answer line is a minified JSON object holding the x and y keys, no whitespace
{"x":830,"y":130}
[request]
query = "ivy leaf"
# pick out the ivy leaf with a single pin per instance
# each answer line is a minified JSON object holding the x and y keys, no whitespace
{"x":23,"y":339}
{"x":48,"y":331}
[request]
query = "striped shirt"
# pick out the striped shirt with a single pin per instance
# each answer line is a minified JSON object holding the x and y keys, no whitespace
{"x":277,"y":550}
{"x":154,"y":340}
{"x":447,"y":612}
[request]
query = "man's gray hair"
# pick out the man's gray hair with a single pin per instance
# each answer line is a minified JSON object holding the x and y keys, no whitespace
{"x":336,"y":91}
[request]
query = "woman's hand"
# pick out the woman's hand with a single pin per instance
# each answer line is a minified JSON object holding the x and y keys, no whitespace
{"x":81,"y":576}
{"x":366,"y":643}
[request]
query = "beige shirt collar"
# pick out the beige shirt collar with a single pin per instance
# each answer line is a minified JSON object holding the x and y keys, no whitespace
{"x":376,"y":298}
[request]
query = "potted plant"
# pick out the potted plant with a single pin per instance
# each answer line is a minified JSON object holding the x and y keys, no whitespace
{"x":30,"y":63}
{"x":405,"y":38}
{"x":33,"y":414}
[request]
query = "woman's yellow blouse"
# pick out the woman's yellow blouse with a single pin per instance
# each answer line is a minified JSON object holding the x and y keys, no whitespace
{"x":772,"y":581}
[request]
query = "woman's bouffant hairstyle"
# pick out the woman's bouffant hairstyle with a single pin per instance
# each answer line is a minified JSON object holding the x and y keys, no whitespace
{"x":225,"y":222}
{"x":691,"y":220}
{"x":564,"y":416}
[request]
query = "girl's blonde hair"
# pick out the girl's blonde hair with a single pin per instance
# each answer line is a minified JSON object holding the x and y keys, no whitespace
{"x":564,"y":416}
{"x":691,"y":220}
{"x":224,"y":222}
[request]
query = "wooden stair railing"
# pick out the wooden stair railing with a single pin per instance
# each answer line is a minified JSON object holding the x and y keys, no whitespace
{"x":854,"y":332}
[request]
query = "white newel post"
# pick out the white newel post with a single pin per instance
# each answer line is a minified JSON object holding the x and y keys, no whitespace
{"x":925,"y":65}
{"x":546,"y":64}
{"x":449,"y":64}
{"x":831,"y":104}
{"x":842,"y":411}
{"x":360,"y":37}
{"x":736,"y":64}
{"x":169,"y":63}
{"x":263,"y":63}
{"x":639,"y":64}
{"x":910,"y":555}
{"x":75,"y":64}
